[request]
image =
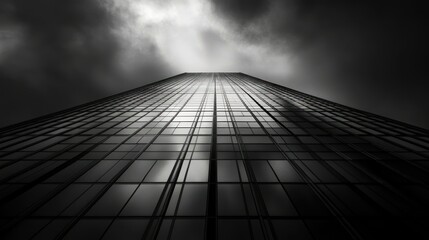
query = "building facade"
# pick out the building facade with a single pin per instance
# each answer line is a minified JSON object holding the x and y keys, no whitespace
{"x":213,"y":156}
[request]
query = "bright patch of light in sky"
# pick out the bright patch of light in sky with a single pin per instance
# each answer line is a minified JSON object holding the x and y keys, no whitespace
{"x":190,"y":38}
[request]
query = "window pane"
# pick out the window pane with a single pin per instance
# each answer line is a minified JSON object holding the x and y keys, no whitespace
{"x":227,"y":171}
{"x":276,"y":200}
{"x":160,"y":172}
{"x":285,"y":171}
{"x":234,"y":229}
{"x":88,"y":229}
{"x":198,"y":171}
{"x":263,"y":171}
{"x":291,"y":229}
{"x":188,"y":229}
{"x":137,"y":171}
{"x":193,"y":201}
{"x":144,"y":200}
{"x":131,"y":229}
{"x":230,"y":200}
{"x":113,"y":200}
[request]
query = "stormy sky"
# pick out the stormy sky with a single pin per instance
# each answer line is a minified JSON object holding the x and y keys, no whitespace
{"x":370,"y":55}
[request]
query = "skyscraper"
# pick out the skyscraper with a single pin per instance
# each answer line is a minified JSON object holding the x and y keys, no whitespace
{"x":213,"y":156}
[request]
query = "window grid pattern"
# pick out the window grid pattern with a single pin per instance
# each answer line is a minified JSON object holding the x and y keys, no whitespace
{"x":213,"y":156}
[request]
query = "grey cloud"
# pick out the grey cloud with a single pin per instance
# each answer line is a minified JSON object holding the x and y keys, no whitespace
{"x":64,"y":53}
{"x":369,"y":55}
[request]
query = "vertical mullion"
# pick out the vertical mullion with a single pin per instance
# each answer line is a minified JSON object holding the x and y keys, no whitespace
{"x":211,"y":219}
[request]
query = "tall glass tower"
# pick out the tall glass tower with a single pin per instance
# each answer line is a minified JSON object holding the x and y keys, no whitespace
{"x":213,"y":156}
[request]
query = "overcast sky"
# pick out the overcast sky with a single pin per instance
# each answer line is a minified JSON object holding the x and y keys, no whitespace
{"x":370,"y":55}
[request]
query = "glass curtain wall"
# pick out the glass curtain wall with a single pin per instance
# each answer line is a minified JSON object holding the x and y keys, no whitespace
{"x":213,"y":156}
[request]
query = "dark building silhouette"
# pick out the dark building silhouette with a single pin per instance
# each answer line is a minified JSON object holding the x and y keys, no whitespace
{"x":213,"y":156}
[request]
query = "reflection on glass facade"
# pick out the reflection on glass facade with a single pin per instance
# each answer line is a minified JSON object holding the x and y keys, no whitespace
{"x":213,"y":156}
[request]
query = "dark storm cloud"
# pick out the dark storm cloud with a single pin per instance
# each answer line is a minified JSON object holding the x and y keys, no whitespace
{"x":370,"y":55}
{"x":242,"y":12}
{"x":57,"y":54}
